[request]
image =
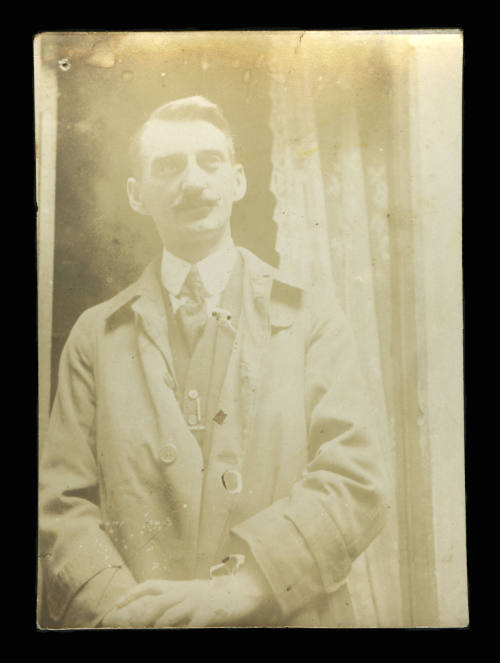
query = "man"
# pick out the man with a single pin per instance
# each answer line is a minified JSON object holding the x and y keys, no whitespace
{"x":210,"y":461}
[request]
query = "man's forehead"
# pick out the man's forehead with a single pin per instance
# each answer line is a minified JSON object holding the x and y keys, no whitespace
{"x":161,"y":137}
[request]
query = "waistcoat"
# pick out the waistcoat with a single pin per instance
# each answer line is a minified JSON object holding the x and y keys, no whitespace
{"x":200,"y":376}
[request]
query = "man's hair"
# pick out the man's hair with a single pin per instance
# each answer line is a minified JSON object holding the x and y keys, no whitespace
{"x":181,"y":110}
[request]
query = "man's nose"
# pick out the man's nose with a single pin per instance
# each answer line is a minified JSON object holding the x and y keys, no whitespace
{"x":194,"y":178}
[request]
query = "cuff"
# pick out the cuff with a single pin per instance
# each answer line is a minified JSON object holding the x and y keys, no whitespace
{"x":301,"y":558}
{"x":97,"y":597}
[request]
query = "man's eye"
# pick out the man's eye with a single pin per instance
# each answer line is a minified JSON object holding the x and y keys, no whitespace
{"x":169,"y":167}
{"x":210,"y":161}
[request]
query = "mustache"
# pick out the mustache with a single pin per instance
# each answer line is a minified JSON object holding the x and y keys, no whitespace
{"x":190,"y":201}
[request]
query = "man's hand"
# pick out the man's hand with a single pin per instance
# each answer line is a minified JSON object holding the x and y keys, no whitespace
{"x":223,"y":601}
{"x":144,"y":604}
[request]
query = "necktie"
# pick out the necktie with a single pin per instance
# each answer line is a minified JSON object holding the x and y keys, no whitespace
{"x":192,"y":313}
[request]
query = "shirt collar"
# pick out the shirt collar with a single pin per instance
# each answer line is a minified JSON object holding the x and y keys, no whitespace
{"x":214,"y":270}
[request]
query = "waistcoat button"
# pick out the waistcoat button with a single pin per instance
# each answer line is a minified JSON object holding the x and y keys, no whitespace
{"x":168,"y":454}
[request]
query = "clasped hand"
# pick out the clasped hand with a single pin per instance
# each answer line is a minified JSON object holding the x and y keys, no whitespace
{"x":221,"y":601}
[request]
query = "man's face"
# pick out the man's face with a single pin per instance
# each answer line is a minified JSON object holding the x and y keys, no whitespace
{"x":189,"y":181}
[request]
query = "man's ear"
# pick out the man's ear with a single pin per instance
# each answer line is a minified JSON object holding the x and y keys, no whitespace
{"x":240,"y":182}
{"x":134,"y":196}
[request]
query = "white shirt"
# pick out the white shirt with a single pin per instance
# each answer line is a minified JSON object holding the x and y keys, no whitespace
{"x":214,"y":271}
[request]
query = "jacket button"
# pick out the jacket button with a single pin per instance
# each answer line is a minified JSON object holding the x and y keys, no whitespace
{"x":168,"y":454}
{"x":192,"y":393}
{"x":232,"y":481}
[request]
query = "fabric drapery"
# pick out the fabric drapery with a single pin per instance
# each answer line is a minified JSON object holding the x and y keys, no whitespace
{"x":330,"y":212}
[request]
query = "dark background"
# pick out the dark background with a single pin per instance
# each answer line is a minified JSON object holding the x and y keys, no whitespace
{"x":101,"y":245}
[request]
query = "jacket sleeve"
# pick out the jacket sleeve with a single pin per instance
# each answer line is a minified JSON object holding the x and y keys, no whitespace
{"x":305,"y":543}
{"x":83,"y":572}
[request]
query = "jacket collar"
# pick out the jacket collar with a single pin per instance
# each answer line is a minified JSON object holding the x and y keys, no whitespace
{"x":147,"y":289}
{"x":272,"y":290}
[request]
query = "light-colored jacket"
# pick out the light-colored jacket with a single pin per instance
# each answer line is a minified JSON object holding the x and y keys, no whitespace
{"x":126,"y":496}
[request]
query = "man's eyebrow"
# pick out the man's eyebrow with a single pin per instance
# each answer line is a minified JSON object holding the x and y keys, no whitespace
{"x":164,"y":157}
{"x":214,"y":150}
{"x":174,"y":155}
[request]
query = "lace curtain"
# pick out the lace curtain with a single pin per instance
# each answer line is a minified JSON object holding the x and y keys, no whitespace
{"x":331,"y":214}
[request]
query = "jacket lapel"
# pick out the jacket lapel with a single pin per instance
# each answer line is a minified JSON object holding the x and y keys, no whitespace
{"x":255,"y":330}
{"x":262,"y":315}
{"x":145,"y":299}
{"x":150,"y":309}
{"x":231,"y":436}
{"x":235,"y":405}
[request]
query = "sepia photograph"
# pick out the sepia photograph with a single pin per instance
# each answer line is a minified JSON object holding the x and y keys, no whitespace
{"x":250,"y":330}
